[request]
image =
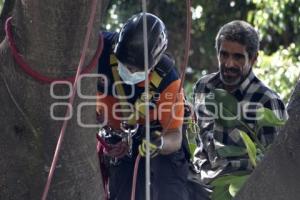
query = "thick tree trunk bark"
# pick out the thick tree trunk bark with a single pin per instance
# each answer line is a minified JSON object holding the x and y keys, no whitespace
{"x":277,"y":177}
{"x":49,"y":35}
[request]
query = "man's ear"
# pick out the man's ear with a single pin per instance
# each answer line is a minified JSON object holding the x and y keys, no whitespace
{"x":254,"y":59}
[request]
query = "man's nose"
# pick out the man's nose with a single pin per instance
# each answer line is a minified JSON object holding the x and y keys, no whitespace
{"x":229,"y":62}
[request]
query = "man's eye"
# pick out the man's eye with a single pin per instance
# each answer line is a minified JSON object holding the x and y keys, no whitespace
{"x":238,"y":56}
{"x":224,"y":54}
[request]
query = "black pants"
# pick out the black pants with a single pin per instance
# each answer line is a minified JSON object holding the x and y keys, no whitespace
{"x":168,"y":178}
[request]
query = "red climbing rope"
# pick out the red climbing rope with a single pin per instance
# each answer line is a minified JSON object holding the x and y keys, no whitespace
{"x":71,"y":100}
{"x":36,"y":75}
{"x":186,"y":55}
{"x":134,"y":178}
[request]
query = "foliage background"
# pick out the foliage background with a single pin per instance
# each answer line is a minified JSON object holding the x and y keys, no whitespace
{"x":278,"y":22}
{"x":1,"y":4}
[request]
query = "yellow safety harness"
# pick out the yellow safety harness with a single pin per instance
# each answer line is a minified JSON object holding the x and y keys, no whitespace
{"x":140,"y":106}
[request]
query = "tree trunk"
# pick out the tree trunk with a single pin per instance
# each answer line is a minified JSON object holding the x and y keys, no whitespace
{"x":49,"y":35}
{"x":277,"y":177}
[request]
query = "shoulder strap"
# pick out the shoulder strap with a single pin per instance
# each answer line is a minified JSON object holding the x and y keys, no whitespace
{"x":161,"y":70}
{"x":165,"y":65}
{"x":120,"y":90}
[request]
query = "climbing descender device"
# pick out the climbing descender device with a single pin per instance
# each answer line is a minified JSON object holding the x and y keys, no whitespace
{"x":130,"y":131}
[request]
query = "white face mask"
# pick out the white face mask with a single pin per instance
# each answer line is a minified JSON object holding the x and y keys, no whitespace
{"x":128,"y":77}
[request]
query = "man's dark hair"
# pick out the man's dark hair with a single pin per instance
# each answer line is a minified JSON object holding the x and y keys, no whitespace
{"x":241,"y":32}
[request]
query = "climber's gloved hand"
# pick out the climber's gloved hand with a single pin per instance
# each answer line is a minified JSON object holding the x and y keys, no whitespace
{"x":155,"y":145}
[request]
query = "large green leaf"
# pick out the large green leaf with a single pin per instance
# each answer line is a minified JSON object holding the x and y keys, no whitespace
{"x":251,"y":148}
{"x":224,"y":180}
{"x":266,"y":117}
{"x":221,"y":193}
{"x":225,"y":187}
{"x":231,"y":151}
{"x":236,"y":184}
{"x":224,"y":107}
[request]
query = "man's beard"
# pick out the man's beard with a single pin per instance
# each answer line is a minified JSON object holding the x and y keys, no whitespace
{"x":230,"y":80}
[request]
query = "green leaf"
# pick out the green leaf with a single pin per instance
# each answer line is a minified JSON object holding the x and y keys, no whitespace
{"x":266,"y":117}
{"x":236,"y":185}
{"x":192,"y":129}
{"x":231,"y":151}
{"x":224,"y":180}
{"x":221,"y":193}
{"x":224,"y":107}
{"x":251,"y":148}
{"x":192,"y":148}
{"x":226,"y":186}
